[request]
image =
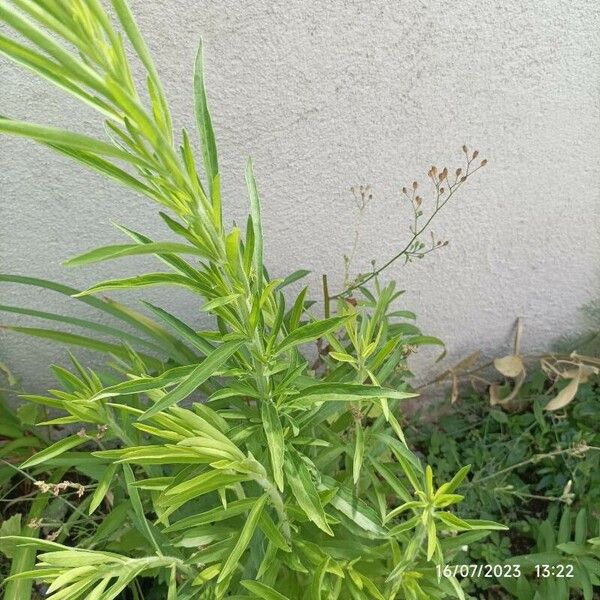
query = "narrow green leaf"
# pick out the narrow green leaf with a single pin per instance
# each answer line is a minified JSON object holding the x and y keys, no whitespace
{"x":359,"y":451}
{"x":274,"y":432}
{"x":272,"y":532}
{"x":295,"y":276}
{"x":352,"y":507}
{"x":205,"y":131}
{"x":482,"y":524}
{"x":115,"y":309}
{"x":129,"y":25}
{"x":55,"y":449}
{"x":146,"y":384}
{"x":139,"y":281}
{"x":310,"y":332}
{"x":198,"y":486}
{"x":305,"y":492}
{"x":297,"y":310}
{"x":316,"y":587}
{"x":243,"y":541}
{"x":581,"y":527}
{"x":256,"y":224}
{"x":185,"y":331}
{"x":138,"y":508}
{"x":91,"y":325}
{"x":448,"y":488}
{"x":67,"y":139}
{"x":123,"y":250}
{"x":207,"y":368}
{"x":347,"y":392}
{"x":172,"y":595}
{"x":103,"y":487}
{"x":213,"y":515}
{"x":263,"y":591}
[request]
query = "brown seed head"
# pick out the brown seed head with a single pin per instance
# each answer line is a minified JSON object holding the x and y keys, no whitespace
{"x":475,"y":154}
{"x":484,"y":162}
{"x":465,"y":149}
{"x":458,"y":172}
{"x":415,"y":185}
{"x":463,"y":178}
{"x":404,"y":190}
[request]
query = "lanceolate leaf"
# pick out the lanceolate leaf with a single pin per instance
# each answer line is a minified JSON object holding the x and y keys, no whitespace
{"x":207,"y":368}
{"x":359,"y":451}
{"x":205,"y":130}
{"x":138,"y":508}
{"x":66,"y":139}
{"x":79,"y":340}
{"x":140,"y":281}
{"x":256,"y":224}
{"x":146,"y":384}
{"x":265,"y":592}
{"x":243,"y":541}
{"x":103,"y":486}
{"x":115,"y":309}
{"x":99,"y":327}
{"x":310,"y":333}
{"x":355,"y":509}
{"x":347,"y":392}
{"x":123,"y":250}
{"x":305,"y":492}
{"x":185,"y":331}
{"x":55,"y":449}
{"x":137,"y":41}
{"x":274,"y":433}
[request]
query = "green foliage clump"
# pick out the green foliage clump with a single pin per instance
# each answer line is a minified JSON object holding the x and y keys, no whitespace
{"x":535,"y":469}
{"x":221,"y":463}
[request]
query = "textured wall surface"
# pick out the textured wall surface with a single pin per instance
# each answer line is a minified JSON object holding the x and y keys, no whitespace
{"x":329,"y":94}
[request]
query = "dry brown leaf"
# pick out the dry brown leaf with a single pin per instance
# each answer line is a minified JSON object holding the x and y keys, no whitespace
{"x":455,"y":389}
{"x":495,"y":397}
{"x":510,"y":366}
{"x":566,"y":395}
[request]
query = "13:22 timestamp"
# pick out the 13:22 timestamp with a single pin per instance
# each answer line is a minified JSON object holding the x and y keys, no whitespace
{"x":561,"y":571}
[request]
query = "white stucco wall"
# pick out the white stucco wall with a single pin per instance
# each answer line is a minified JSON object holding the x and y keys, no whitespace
{"x":329,"y":94}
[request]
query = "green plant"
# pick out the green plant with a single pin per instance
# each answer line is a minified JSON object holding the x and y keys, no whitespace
{"x":530,"y":465}
{"x":287,"y":481}
{"x":564,"y":561}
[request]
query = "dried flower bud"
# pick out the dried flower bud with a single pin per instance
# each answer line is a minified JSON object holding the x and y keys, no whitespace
{"x":458,"y":172}
{"x":415,"y":185}
{"x":463,"y":179}
{"x":433,"y":170}
{"x":475,"y":154}
{"x":404,"y":190}
{"x":484,"y":162}
{"x":465,"y":149}
{"x":442,"y":190}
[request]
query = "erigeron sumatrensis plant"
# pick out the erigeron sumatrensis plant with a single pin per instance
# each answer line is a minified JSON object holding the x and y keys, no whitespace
{"x":285,"y":481}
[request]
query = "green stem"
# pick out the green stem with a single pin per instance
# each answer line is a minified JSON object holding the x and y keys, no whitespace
{"x":326,"y":298}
